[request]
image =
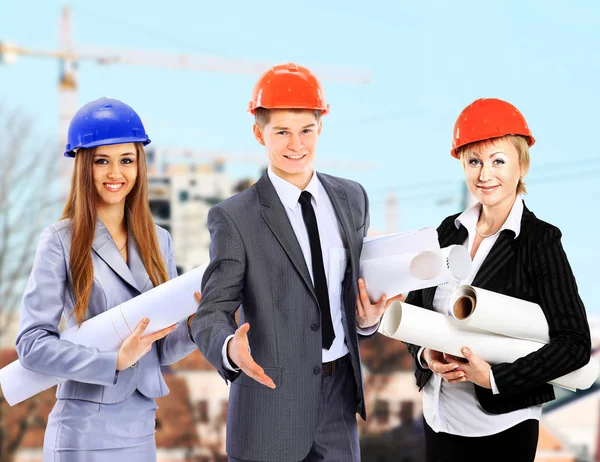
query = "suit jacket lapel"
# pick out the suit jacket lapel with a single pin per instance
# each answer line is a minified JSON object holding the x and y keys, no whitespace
{"x":277,"y":220}
{"x":107,"y":250}
{"x":136,"y":265}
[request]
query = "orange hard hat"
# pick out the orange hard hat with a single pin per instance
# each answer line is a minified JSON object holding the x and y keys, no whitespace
{"x":288,"y":86}
{"x":487,"y":118}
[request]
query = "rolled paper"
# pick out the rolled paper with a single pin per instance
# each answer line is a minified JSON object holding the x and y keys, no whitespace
{"x":436,"y":331}
{"x":165,"y":305}
{"x":399,"y":273}
{"x":501,"y":314}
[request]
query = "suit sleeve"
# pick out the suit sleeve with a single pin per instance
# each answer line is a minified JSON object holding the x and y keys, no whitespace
{"x":222,"y":287}
{"x":38,"y":344}
{"x":364,"y":334}
{"x":178,"y":344}
{"x":570,"y":344}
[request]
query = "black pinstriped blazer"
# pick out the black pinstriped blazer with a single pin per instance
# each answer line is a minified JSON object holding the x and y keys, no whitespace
{"x":531,"y":267}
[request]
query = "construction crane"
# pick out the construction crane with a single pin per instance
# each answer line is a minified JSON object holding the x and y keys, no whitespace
{"x":70,"y":56}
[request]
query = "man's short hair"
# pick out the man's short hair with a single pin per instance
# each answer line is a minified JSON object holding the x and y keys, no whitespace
{"x":262,"y":116}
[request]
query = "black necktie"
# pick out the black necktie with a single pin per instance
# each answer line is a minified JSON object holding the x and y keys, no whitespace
{"x":320,"y":282}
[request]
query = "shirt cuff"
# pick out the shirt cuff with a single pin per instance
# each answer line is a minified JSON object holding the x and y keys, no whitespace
{"x":226,"y":362}
{"x":370,"y":330}
{"x":493,"y":382}
{"x":422,"y":363}
{"x":366,"y":331}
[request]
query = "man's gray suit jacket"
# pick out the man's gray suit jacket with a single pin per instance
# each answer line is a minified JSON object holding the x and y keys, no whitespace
{"x":257,"y":262}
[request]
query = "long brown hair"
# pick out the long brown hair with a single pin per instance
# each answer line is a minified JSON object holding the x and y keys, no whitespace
{"x":81,"y":209}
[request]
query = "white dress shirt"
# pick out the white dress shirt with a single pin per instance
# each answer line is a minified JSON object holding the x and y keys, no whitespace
{"x":454,"y":408}
{"x":335,"y":255}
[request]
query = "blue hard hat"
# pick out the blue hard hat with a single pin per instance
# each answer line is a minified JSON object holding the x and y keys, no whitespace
{"x":104,"y":121}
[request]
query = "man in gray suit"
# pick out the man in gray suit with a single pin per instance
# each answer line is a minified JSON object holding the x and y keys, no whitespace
{"x":287,"y":250}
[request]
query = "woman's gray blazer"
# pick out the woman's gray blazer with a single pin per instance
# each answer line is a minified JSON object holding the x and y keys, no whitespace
{"x":91,"y":374}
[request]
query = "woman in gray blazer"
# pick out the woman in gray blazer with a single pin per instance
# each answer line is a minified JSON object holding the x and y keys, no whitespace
{"x":104,"y":251}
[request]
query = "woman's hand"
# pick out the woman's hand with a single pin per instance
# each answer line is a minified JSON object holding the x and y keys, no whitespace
{"x":443,"y":365}
{"x":476,"y":370}
{"x":135,"y":346}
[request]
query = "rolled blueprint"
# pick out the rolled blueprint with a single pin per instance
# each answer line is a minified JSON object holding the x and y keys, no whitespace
{"x":400,"y":243}
{"x":165,"y":305}
{"x":434,"y":330}
{"x":499,"y":313}
{"x":396,"y":274}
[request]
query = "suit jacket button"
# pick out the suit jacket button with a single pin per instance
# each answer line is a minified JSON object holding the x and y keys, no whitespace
{"x":314,"y":327}
{"x":317,"y":370}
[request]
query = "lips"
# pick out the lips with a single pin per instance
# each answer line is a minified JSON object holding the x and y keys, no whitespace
{"x":487,"y":189}
{"x":113,"y":187}
{"x":299,"y":157}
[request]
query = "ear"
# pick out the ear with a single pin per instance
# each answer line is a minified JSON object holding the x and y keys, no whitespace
{"x":258,"y":134}
{"x":319,"y":127}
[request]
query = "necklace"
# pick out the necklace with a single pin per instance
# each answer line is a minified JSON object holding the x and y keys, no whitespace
{"x":123,"y":245}
{"x":484,"y":235}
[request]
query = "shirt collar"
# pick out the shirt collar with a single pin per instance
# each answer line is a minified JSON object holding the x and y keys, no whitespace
{"x":288,"y":193}
{"x":513,"y":222}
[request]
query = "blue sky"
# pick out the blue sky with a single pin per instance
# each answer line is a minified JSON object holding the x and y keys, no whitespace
{"x":428,"y":60}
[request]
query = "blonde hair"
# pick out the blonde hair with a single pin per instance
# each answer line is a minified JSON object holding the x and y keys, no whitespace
{"x":520,"y":144}
{"x":262,"y":116}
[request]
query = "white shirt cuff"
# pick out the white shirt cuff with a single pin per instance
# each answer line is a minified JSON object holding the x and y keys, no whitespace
{"x":493,"y":382}
{"x":226,"y":362}
{"x":367,"y":330}
{"x":419,"y":356}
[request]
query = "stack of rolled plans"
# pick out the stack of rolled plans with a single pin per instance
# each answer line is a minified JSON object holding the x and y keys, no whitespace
{"x":398,"y":263}
{"x":165,"y":305}
{"x":496,"y":327}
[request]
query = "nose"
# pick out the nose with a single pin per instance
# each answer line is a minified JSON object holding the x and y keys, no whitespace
{"x":115,"y":171}
{"x":485,"y":174}
{"x":295,"y":143}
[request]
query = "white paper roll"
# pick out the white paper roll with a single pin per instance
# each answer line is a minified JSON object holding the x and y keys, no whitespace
{"x":401,"y":243}
{"x":399,"y":273}
{"x":165,"y":305}
{"x":434,"y":330}
{"x":499,"y":313}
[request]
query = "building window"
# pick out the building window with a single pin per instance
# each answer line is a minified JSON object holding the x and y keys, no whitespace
{"x":202,"y":411}
{"x":382,"y":411}
{"x":407,"y":409}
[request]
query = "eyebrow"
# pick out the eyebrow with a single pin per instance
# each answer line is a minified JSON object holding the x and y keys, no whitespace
{"x":277,"y":128}
{"x":475,"y":153}
{"x":107,"y":156}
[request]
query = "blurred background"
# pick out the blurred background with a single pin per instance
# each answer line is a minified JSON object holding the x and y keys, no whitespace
{"x":396,"y":74}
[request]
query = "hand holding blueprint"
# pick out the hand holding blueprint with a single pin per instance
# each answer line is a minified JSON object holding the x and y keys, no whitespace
{"x":399,"y":263}
{"x":165,"y":305}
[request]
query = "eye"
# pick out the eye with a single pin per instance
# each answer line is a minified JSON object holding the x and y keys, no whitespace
{"x":101,"y":161}
{"x":307,"y":130}
{"x":282,"y":132}
{"x":473,"y":161}
{"x":499,"y":162}
{"x":127,"y":160}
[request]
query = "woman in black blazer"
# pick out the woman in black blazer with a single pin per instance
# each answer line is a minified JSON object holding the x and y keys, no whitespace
{"x":474,"y":411}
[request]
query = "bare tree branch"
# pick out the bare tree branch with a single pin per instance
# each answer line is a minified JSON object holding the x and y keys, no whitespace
{"x":28,"y":201}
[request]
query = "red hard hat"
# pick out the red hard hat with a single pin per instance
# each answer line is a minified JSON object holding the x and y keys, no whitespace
{"x":288,"y":86}
{"x":487,"y":118}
